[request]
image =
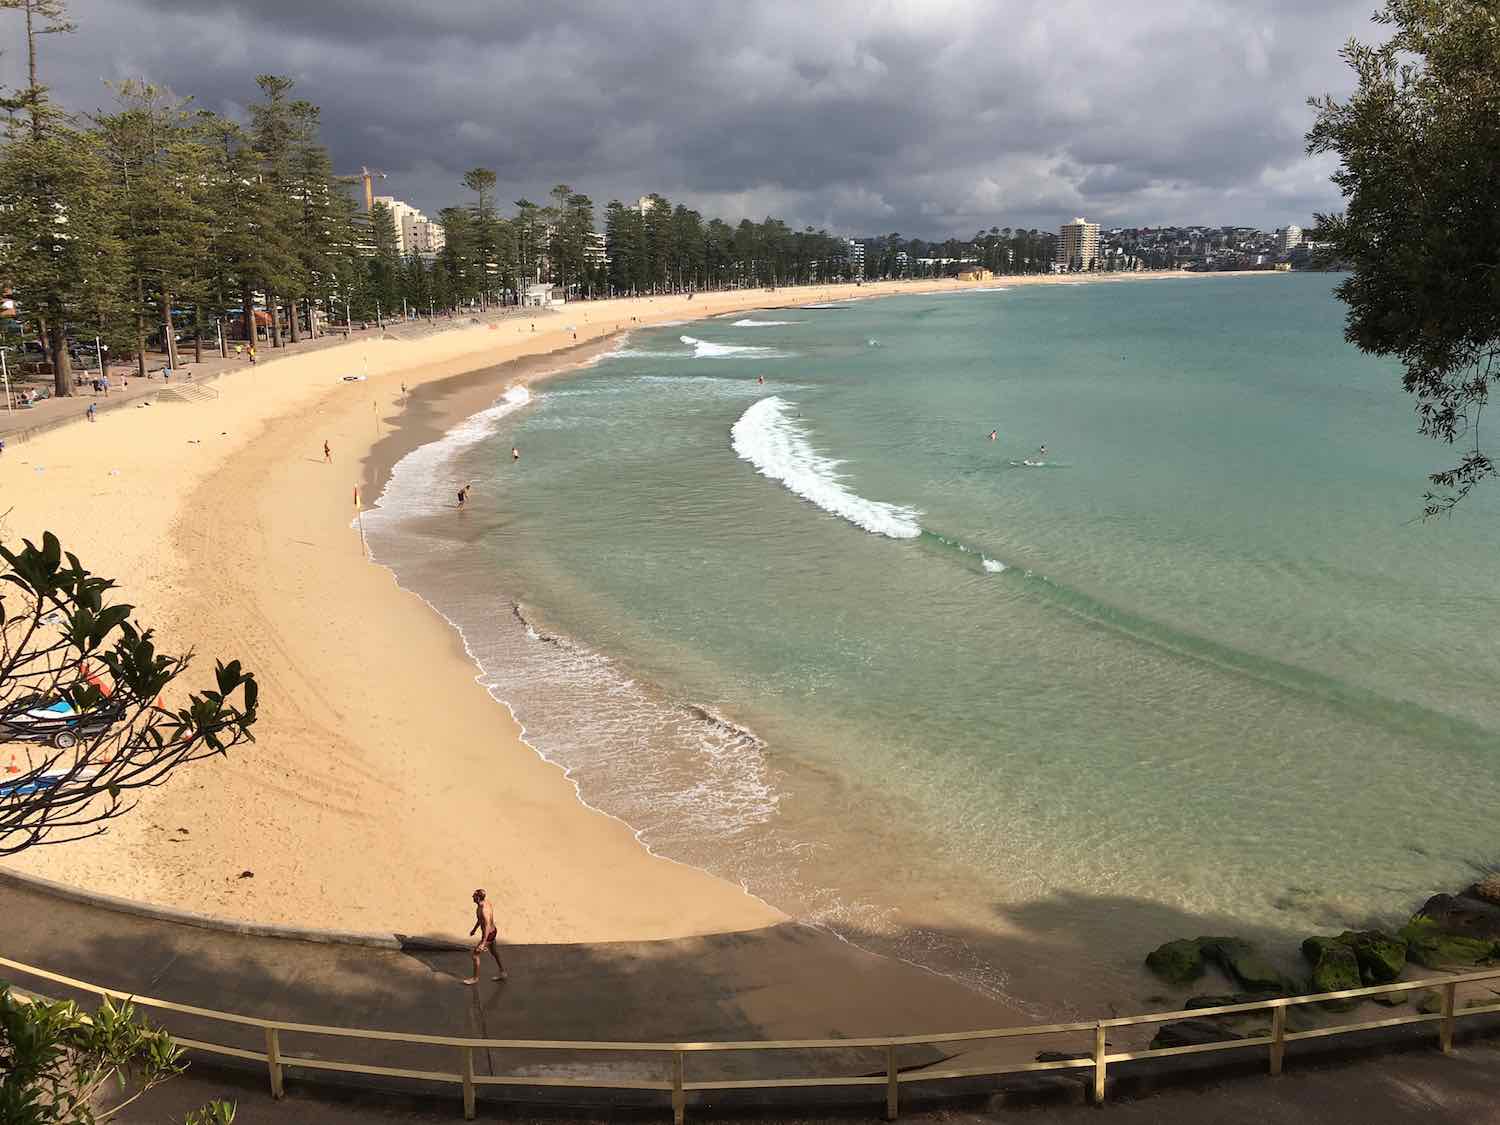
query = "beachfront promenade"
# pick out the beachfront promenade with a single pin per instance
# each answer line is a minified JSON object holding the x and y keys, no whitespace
{"x":786,"y":981}
{"x":128,"y":389}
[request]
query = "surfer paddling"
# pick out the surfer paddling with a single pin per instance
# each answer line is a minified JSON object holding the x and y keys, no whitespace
{"x":484,"y":925}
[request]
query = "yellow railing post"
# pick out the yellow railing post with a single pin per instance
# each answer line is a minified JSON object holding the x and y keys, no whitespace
{"x":1445,"y":1029}
{"x":1099,"y":1063}
{"x":273,"y":1061}
{"x":892,"y":1085}
{"x":679,"y":1098}
{"x":1278,"y":1037}
{"x":468,"y":1073}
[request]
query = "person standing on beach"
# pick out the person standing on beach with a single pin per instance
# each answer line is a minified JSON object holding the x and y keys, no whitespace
{"x":463,"y":495}
{"x":327,"y":454}
{"x":91,"y":412}
{"x":484,"y":923}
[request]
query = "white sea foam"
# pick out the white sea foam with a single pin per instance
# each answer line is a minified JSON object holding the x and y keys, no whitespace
{"x":422,"y":481}
{"x":702,"y":349}
{"x":822,"y":306}
{"x":994,"y":566}
{"x":748,"y":322}
{"x":776,"y":444}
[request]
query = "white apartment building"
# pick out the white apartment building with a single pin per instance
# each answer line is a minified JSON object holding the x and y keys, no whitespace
{"x":595,"y":251}
{"x":421,"y":235}
{"x":857,"y":257}
{"x":415,"y":232}
{"x":1078,"y":244}
{"x":1288,"y":239}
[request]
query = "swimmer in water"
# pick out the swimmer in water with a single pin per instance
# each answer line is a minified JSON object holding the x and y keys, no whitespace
{"x":1041,"y":454}
{"x":760,"y":379}
{"x":515,"y":455}
{"x":994,"y":434}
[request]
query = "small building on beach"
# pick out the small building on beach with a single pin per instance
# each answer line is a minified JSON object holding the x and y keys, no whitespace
{"x":978,"y":273}
{"x":541,"y":295}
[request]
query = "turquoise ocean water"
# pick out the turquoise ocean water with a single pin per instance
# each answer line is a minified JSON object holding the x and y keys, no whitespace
{"x":1015,"y":715}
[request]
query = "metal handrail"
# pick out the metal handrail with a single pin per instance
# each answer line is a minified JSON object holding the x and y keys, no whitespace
{"x":1097,"y":1060}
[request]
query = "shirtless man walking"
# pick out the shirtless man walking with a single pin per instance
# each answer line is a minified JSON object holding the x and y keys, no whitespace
{"x":484,"y":920}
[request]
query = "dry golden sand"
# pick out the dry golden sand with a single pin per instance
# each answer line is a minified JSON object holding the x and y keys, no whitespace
{"x":385,"y":783}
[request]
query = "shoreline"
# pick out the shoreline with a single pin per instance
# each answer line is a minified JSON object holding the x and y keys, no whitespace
{"x":215,"y":555}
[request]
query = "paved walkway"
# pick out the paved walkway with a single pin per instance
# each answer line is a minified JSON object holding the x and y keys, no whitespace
{"x":789,"y":981}
{"x":128,"y":389}
{"x":785,"y":982}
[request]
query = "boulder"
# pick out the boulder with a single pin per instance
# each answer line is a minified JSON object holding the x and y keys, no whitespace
{"x":1334,"y":965}
{"x":1191,"y":1033}
{"x":1429,"y":945}
{"x":1486,"y":890}
{"x":1460,"y":914}
{"x":1391,"y":999}
{"x":1430,"y":1004}
{"x":1177,"y":962}
{"x":1246,"y":967}
{"x":1381,"y":957}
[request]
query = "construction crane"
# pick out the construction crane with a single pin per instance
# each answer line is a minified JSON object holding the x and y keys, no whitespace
{"x":365,"y":176}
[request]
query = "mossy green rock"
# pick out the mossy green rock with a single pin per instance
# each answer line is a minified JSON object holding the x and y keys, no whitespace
{"x":1177,"y":962}
{"x":1246,"y":967}
{"x":1381,"y":957}
{"x":1335,"y":966}
{"x":1429,"y":946}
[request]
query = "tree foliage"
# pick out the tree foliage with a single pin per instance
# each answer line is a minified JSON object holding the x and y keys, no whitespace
{"x":83,"y":721}
{"x":62,"y":1066}
{"x":1419,"y":167}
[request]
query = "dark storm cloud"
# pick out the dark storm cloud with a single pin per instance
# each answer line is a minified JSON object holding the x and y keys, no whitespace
{"x":929,"y":118}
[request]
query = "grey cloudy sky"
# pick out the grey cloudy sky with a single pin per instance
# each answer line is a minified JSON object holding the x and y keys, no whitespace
{"x":930,"y":117}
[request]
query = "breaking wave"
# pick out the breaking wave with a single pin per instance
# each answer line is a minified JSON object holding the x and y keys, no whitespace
{"x":749,"y":323}
{"x":776,"y":444}
{"x":702,"y":349}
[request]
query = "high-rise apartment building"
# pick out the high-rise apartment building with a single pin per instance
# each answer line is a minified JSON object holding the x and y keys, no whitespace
{"x":415,"y":232}
{"x":1289,"y":239}
{"x":857,"y":257}
{"x":1078,"y":244}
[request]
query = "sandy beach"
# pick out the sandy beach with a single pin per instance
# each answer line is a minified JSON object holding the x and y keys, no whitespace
{"x":385,"y":783}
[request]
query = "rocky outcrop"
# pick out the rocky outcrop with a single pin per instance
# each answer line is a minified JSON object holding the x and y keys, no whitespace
{"x":1177,"y":962}
{"x":1183,"y":961}
{"x":1381,"y":957}
{"x":1435,"y":947}
{"x":1464,"y":914}
{"x":1486,"y":890}
{"x":1242,"y":962}
{"x":1334,"y":965}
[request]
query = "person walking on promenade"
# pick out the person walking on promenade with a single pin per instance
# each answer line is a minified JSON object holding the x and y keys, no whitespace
{"x":484,"y":924}
{"x":252,"y":355}
{"x":91,"y":412}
